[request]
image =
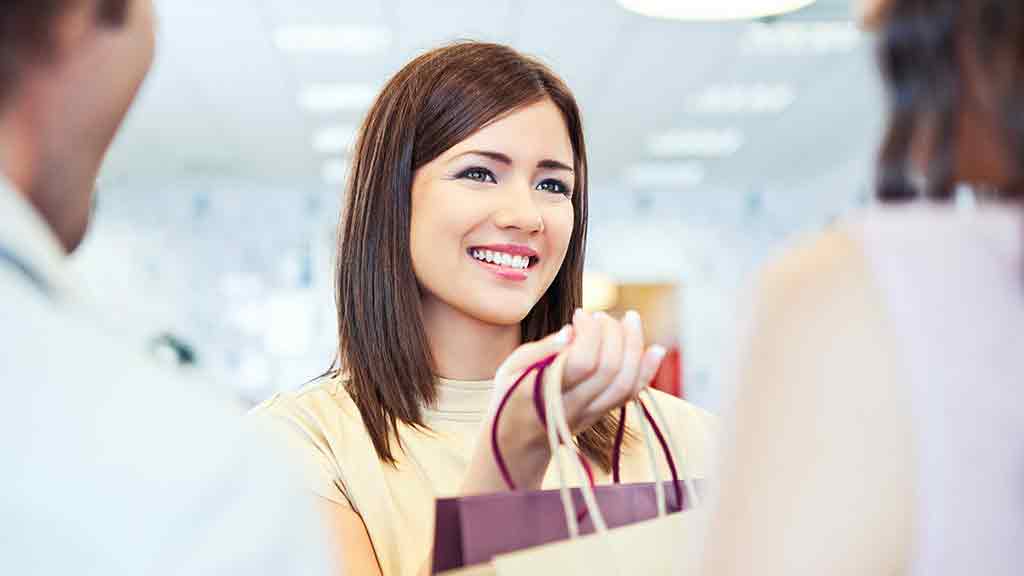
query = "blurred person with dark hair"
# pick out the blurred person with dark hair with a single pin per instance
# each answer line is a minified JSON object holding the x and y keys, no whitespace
{"x":879,"y":427}
{"x":110,"y":466}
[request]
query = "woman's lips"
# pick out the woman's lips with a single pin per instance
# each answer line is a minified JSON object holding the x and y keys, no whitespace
{"x":507,"y":261}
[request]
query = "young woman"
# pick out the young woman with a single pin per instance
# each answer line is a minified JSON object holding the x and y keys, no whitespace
{"x":879,"y":426}
{"x":460,"y":264}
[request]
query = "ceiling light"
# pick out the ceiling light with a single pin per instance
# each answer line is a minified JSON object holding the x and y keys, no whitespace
{"x":333,"y":39}
{"x":696,"y":143}
{"x":665,"y":175}
{"x":712,"y":9}
{"x":801,"y":38}
{"x":335,"y":97}
{"x":729,"y":99}
{"x":335,"y":139}
{"x":335,"y":171}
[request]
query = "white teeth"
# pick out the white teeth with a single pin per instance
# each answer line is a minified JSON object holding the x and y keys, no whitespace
{"x":502,"y":259}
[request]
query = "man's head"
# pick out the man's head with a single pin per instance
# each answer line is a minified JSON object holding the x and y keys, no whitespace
{"x":69,"y":71}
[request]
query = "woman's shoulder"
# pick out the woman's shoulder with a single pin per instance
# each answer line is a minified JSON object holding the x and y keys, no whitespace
{"x":693,"y":429}
{"x":322,"y":403}
{"x":322,"y":428}
{"x":680,"y":410}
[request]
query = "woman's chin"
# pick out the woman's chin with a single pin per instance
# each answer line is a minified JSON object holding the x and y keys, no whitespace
{"x":501,"y":315}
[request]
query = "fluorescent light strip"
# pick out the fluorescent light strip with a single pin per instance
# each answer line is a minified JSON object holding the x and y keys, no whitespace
{"x":335,"y":139}
{"x":357,"y":41}
{"x":666,"y":175}
{"x":336,"y":97}
{"x":727,"y":99}
{"x":800,"y":38}
{"x":712,"y":9}
{"x":696,"y":143}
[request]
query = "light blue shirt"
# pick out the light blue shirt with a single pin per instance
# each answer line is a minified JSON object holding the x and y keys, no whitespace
{"x":111,"y":465}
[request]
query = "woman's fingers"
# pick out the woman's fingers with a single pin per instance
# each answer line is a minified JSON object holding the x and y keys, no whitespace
{"x":529,"y":354}
{"x":611,"y":350}
{"x":584,"y":353}
{"x":579,"y":401}
{"x":607,"y":365}
{"x":649,"y":368}
{"x":622,"y":386}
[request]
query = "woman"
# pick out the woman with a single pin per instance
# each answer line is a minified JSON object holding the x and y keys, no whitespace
{"x":460,"y":265}
{"x":879,"y":422}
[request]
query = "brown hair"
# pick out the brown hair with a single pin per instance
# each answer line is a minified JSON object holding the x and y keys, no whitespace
{"x":922,"y":47}
{"x":25,"y":29}
{"x":432,"y":104}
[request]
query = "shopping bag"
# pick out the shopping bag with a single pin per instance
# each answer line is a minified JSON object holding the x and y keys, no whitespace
{"x":668,"y":545}
{"x":477,"y":529}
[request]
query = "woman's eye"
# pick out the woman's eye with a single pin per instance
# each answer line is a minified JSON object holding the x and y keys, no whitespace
{"x":555,"y":186}
{"x":478,"y":175}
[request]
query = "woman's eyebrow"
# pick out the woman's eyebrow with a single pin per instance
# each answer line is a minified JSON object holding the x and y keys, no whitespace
{"x":554,"y":165}
{"x":496,"y":156}
{"x":504,"y":159}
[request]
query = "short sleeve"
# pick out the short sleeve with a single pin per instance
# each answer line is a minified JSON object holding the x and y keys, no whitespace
{"x":297,"y":421}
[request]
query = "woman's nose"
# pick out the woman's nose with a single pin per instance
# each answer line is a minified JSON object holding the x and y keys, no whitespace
{"x":520,"y":213}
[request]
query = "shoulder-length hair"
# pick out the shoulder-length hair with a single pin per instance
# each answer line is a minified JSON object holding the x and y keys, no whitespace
{"x":430,"y":105}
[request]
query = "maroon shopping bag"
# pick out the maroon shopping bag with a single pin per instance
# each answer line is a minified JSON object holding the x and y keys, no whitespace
{"x":473,"y":530}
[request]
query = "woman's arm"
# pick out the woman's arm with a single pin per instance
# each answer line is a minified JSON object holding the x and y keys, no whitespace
{"x":349,"y":540}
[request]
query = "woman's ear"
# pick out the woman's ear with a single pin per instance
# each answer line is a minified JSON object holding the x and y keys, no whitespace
{"x":871,"y":14}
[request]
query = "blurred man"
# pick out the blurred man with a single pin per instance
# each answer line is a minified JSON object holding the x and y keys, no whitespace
{"x":108,"y":465}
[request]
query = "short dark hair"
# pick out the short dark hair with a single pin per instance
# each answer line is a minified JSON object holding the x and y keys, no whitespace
{"x":25,"y":27}
{"x":433,"y":103}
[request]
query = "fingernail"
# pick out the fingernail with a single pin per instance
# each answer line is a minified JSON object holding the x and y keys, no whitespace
{"x":659,"y":352}
{"x":633,"y":319}
{"x":563,"y":335}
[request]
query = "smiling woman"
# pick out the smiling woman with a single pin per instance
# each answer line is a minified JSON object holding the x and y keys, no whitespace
{"x":492,"y":220}
{"x":460,"y":264}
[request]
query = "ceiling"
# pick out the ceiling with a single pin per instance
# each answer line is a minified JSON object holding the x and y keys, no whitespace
{"x":222,"y":101}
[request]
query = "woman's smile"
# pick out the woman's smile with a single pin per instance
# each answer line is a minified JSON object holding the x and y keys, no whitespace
{"x":506,"y":261}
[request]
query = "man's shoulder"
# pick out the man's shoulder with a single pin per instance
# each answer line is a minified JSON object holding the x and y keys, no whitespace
{"x":104,"y":436}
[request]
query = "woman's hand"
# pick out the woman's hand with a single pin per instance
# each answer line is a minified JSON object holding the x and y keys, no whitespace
{"x":606,"y":367}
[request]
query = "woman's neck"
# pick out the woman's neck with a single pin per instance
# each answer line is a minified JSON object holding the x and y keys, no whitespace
{"x":465,"y":348}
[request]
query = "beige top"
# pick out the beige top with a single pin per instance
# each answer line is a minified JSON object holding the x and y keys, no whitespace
{"x":396,"y":503}
{"x":878,"y":425}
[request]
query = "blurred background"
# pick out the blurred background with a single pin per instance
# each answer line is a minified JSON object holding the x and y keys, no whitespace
{"x":712,"y":145}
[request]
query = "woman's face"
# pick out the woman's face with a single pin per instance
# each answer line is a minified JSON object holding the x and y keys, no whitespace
{"x":492,"y":217}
